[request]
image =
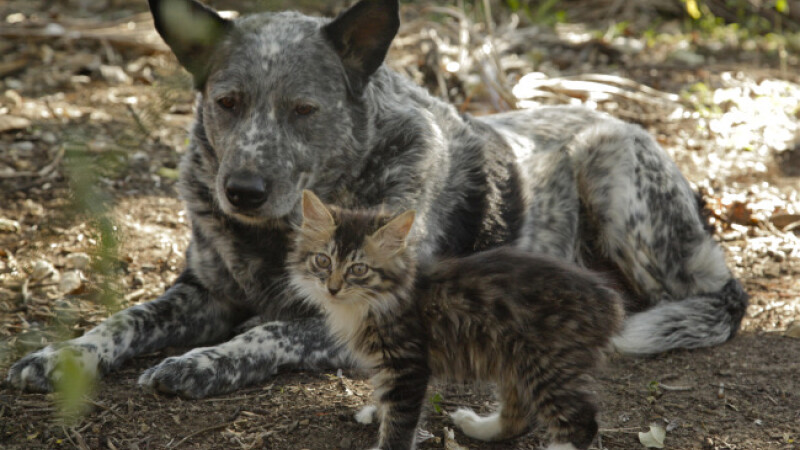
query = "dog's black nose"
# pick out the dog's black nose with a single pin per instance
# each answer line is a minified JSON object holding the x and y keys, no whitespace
{"x":246,"y":190}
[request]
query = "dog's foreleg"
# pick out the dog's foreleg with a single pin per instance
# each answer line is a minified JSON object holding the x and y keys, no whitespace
{"x":249,"y":358}
{"x":183,"y":315}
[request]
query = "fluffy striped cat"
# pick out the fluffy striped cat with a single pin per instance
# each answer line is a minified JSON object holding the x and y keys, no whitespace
{"x":531,"y":324}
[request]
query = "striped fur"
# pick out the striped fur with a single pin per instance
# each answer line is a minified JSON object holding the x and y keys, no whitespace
{"x":530,"y":323}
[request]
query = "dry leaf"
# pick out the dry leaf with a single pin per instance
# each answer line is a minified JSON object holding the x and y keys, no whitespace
{"x":9,"y":226}
{"x":450,"y":440}
{"x":793,"y":330}
{"x":9,"y":123}
{"x":653,"y":438}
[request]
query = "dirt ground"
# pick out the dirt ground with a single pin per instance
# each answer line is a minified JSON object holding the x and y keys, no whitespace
{"x":87,"y":92}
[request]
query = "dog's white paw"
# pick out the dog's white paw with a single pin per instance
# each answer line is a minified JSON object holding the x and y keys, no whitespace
{"x":483,"y":428}
{"x":367,"y":415}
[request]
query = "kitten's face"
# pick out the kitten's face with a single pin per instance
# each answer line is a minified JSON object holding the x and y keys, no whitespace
{"x":349,"y":257}
{"x":343,"y":276}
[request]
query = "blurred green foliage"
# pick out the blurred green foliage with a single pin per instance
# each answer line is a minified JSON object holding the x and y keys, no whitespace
{"x":544,"y":12}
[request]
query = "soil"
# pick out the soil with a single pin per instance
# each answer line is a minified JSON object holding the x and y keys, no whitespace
{"x":113,"y":108}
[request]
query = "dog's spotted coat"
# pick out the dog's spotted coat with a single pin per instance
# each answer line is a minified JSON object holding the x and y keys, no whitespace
{"x":289,"y":102}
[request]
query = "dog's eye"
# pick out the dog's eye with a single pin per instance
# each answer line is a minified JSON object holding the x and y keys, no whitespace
{"x":322,"y":261}
{"x":227,"y":102}
{"x":359,"y":269}
{"x":305,"y":109}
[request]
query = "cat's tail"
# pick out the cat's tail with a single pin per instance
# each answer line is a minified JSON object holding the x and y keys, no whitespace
{"x":699,"y":321}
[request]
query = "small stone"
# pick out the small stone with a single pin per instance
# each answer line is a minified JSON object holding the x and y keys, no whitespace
{"x":99,"y":145}
{"x":304,"y":422}
{"x":41,"y":270}
{"x":54,"y":29}
{"x":345,"y":443}
{"x":33,"y":208}
{"x":78,"y":261}
{"x":139,"y":160}
{"x":772,"y":271}
{"x":100,"y":116}
{"x":49,"y":138}
{"x":70,"y":282}
{"x":23,"y":147}
{"x":14,"y":84}
{"x":687,"y":57}
{"x":137,"y":281}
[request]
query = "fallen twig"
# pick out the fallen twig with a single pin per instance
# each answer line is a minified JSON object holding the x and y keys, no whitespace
{"x":198,"y":432}
{"x":667,"y":387}
{"x":143,"y":41}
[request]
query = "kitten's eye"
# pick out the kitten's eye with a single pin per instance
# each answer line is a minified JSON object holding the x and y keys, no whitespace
{"x":322,"y":261}
{"x":359,"y":270}
{"x":227,"y":102}
{"x":305,"y":109}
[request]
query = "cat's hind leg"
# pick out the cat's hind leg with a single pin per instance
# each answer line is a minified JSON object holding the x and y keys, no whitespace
{"x":512,"y":419}
{"x":570,"y":417}
{"x":484,"y":428}
{"x":367,"y":415}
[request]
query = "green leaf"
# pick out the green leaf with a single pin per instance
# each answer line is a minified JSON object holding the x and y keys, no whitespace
{"x":166,"y":172}
{"x":693,"y":9}
{"x":782,"y":6}
{"x":72,"y":387}
{"x":436,"y":401}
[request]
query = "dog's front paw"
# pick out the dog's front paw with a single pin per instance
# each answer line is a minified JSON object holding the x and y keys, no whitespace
{"x":193,"y":375}
{"x":41,"y":370}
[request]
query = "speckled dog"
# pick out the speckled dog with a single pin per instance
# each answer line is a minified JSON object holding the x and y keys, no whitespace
{"x":288,"y":102}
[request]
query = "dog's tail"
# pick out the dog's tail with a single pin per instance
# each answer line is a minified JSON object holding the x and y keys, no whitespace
{"x":700,"y":321}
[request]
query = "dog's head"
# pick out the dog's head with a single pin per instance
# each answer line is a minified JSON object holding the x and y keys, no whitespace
{"x":282,"y":105}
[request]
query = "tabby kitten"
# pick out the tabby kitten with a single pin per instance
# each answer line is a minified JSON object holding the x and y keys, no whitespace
{"x":531,"y":324}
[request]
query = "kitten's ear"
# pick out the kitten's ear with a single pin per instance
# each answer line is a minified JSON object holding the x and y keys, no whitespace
{"x":316,"y":216}
{"x":361,"y":36}
{"x":392,"y":236}
{"x":192,"y":31}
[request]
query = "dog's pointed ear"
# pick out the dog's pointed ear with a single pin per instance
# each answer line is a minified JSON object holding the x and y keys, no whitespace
{"x":316,"y":216}
{"x":362,"y":36}
{"x":192,"y":31}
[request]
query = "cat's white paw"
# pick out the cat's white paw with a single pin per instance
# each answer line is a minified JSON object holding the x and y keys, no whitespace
{"x":484,"y":428}
{"x":367,"y":414}
{"x":561,"y":446}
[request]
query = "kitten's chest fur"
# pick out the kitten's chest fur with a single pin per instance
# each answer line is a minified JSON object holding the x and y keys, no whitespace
{"x":438,"y":324}
{"x":380,"y":340}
